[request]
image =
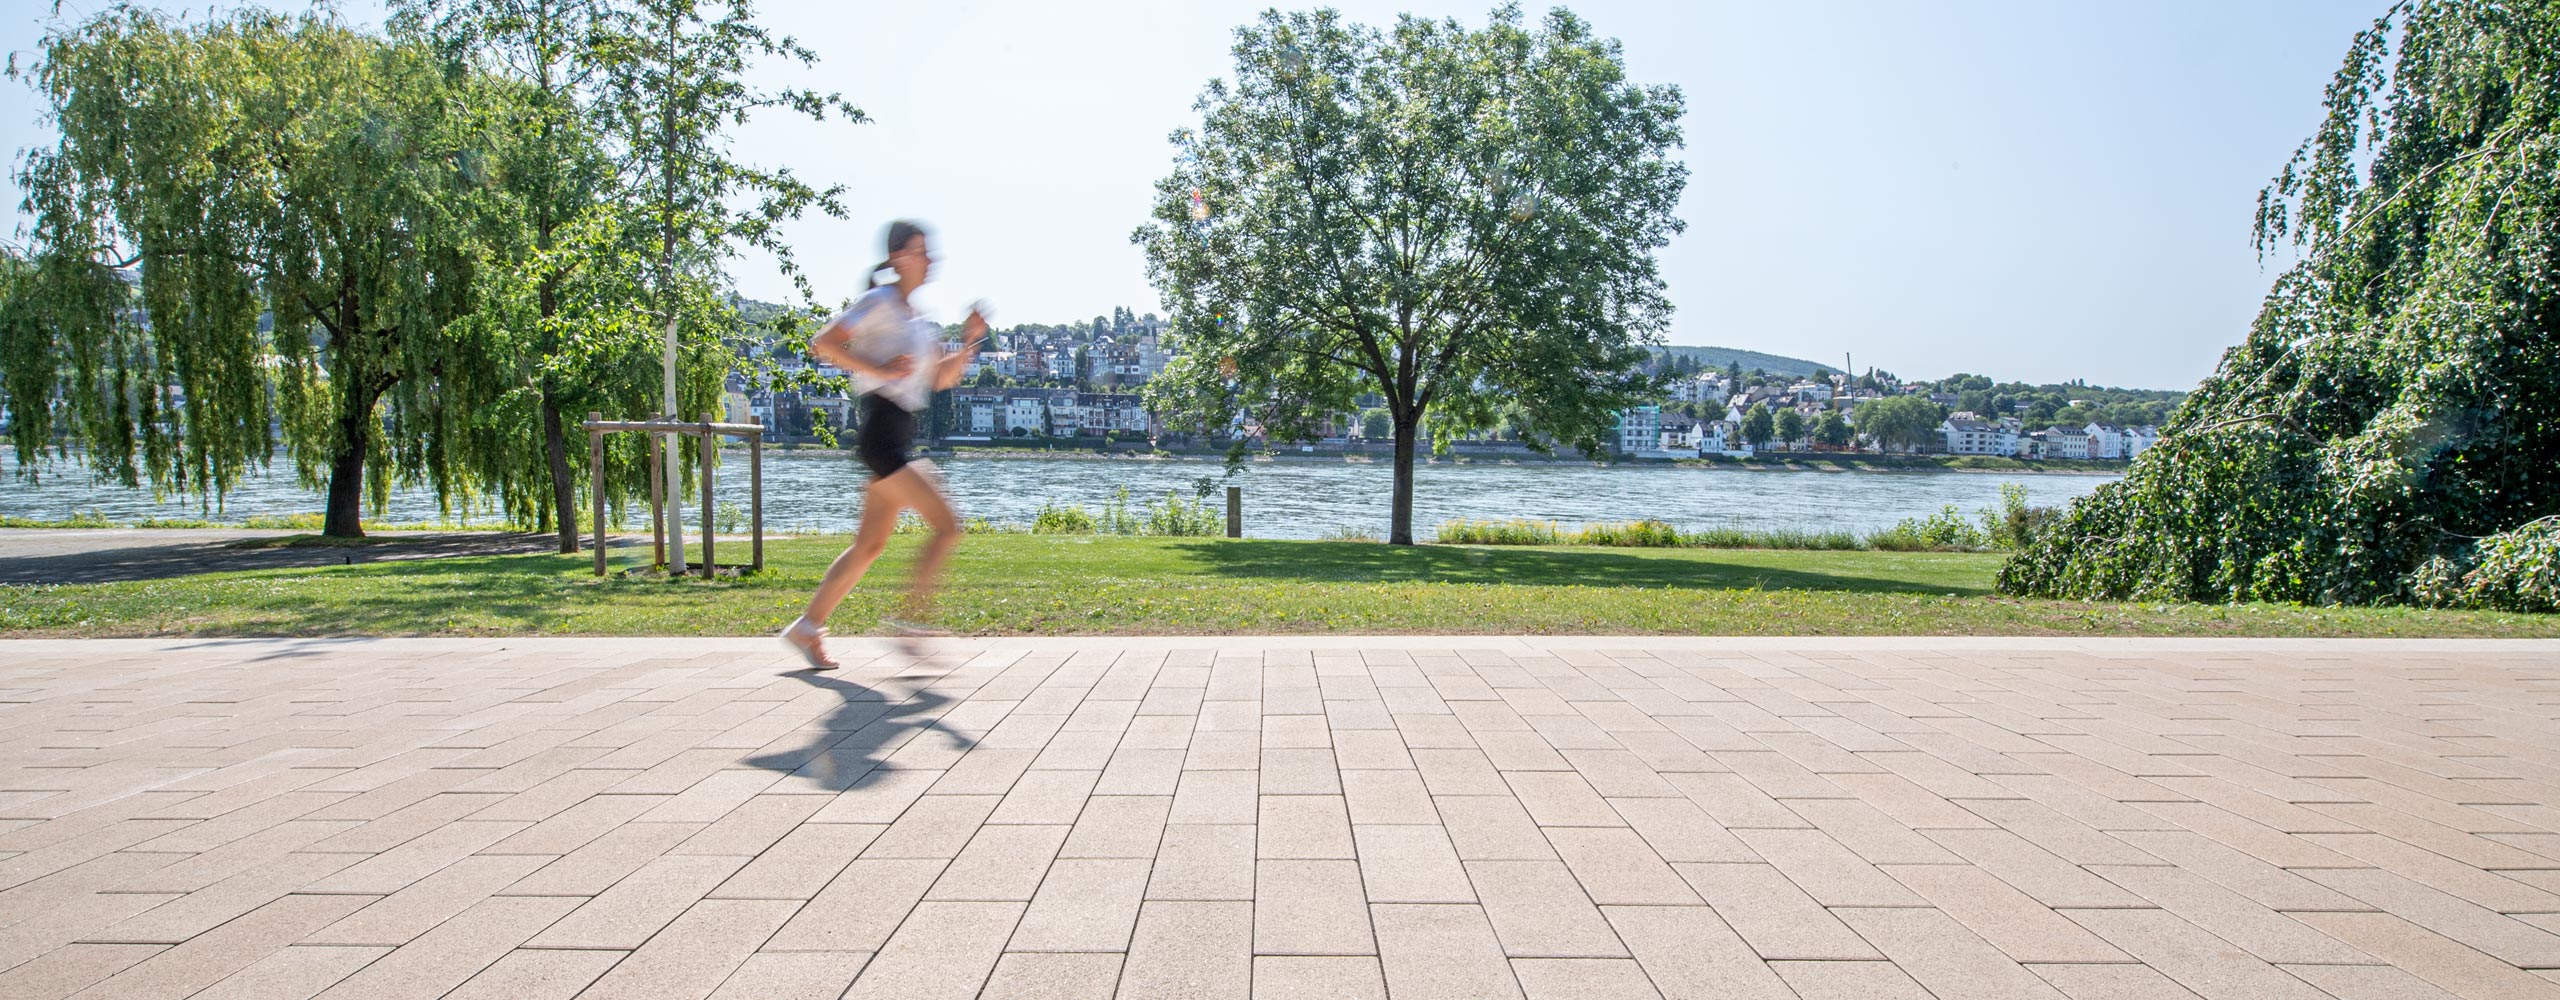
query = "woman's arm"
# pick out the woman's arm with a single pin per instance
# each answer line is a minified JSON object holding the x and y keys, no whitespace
{"x":833,"y":345}
{"x":955,"y":368}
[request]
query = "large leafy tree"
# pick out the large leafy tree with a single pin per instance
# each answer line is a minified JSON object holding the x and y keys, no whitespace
{"x":257,"y":217}
{"x":1452,"y":219}
{"x":535,"y":80}
{"x":2389,"y":429}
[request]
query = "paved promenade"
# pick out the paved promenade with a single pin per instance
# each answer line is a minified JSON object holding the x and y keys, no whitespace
{"x":1284,"y":818}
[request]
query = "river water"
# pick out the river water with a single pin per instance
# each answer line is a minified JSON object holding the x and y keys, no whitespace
{"x":1281,"y":499}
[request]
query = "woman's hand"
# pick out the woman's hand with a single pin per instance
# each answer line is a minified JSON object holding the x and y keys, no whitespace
{"x":973,"y":329}
{"x":895,"y":368}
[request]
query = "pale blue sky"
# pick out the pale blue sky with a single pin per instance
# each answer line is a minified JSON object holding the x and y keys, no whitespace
{"x":2031,"y":190}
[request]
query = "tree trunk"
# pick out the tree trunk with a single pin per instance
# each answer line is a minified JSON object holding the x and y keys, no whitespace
{"x":344,"y":516}
{"x":1400,"y":523}
{"x":564,"y":490}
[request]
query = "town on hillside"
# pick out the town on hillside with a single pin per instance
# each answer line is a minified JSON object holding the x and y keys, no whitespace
{"x":1082,"y":385}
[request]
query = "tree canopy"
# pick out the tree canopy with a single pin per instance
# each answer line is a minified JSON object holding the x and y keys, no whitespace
{"x":1451,"y":218}
{"x":256,"y":217}
{"x":2388,"y":430}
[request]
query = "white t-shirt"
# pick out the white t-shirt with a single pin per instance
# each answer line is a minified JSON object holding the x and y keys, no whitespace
{"x":879,"y":327}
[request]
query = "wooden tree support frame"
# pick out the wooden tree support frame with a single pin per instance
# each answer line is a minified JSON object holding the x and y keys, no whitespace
{"x":710,"y":432}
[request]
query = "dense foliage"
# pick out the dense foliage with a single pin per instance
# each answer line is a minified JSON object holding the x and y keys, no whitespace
{"x":1453,"y":219}
{"x":414,"y":256}
{"x":2390,"y":429}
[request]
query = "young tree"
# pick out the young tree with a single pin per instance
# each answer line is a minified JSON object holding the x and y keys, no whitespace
{"x":1758,"y":425}
{"x":551,"y":285}
{"x":675,"y":73}
{"x":280,"y":164}
{"x":1451,"y":218}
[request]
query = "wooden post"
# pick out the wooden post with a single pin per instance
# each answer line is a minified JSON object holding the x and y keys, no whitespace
{"x":1235,"y":512}
{"x":657,"y":503}
{"x":755,"y":491}
{"x":703,"y":453}
{"x":595,"y":465}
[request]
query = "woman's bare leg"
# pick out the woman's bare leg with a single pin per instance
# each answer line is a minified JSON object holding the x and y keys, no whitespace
{"x":881,"y":504}
{"x":925,"y":496}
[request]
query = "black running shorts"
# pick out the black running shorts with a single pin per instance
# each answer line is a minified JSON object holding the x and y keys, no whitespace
{"x":887,"y":431}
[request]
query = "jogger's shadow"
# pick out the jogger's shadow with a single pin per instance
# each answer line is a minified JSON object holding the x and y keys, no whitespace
{"x":856,"y":739}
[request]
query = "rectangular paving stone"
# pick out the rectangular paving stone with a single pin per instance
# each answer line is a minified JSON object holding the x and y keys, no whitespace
{"x":1000,"y":863}
{"x":297,"y":973}
{"x":1935,"y":950}
{"x":1410,"y":864}
{"x":1689,"y":953}
{"x":1441,"y":952}
{"x":2209,"y":966}
{"x":1492,"y":828}
{"x":696,"y":953}
{"x":396,"y":919}
{"x":1118,"y":826}
{"x":801,"y":864}
{"x":1191,"y":950}
{"x":1776,"y":917}
{"x":1204,"y":862}
{"x":1615,"y":866}
{"x":860,"y":909}
{"x":455,"y":951}
{"x":1085,"y":904}
{"x":941,"y":950}
{"x":1304,"y":826}
{"x":1539,"y":911}
{"x":1048,"y":976}
{"x":216,"y":954}
{"x":528,"y":974}
{"x":626,"y":916}
{"x":1310,"y":908}
{"x":2026,"y":930}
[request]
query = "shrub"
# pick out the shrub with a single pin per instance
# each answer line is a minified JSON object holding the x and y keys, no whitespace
{"x":1778,"y":538}
{"x":730,"y":519}
{"x":1184,"y":518}
{"x":1948,"y":530}
{"x":283,"y":522}
{"x":1511,"y":532}
{"x":1647,"y":533}
{"x":1071,"y":519}
{"x":2517,"y":570}
{"x":2015,"y":525}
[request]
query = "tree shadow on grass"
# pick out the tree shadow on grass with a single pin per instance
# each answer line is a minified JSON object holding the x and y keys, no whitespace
{"x":116,"y":557}
{"x":851,"y":749}
{"x":1690,"y":569}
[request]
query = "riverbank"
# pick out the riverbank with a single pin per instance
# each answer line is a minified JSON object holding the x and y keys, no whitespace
{"x":1772,"y":462}
{"x":1071,"y":585}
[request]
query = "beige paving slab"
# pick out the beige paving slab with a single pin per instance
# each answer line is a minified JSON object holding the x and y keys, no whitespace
{"x":1309,"y":816}
{"x":1190,"y":950}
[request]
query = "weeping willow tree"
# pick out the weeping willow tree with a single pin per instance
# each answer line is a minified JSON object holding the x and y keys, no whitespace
{"x":255,"y":227}
{"x":2390,"y":430}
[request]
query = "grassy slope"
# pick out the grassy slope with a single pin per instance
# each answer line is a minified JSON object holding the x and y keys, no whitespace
{"x":1065,"y":585}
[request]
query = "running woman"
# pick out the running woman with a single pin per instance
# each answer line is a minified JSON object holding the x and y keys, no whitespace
{"x":897,"y":363}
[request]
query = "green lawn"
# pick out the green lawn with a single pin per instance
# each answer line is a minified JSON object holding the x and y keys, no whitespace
{"x":1055,"y":585}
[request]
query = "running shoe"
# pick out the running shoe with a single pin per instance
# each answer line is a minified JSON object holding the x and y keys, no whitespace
{"x":803,"y":638}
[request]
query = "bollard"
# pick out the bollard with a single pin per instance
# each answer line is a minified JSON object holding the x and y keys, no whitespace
{"x":1235,"y":512}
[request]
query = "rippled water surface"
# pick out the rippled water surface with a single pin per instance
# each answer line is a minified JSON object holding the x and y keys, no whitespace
{"x":1282,"y":499}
